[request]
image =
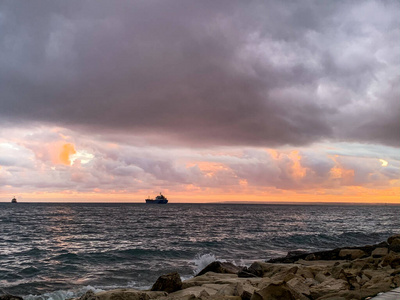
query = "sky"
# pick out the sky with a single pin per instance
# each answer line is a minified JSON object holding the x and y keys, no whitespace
{"x":204,"y":101}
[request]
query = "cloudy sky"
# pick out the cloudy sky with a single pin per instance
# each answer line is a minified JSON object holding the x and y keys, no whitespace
{"x":201,"y":100}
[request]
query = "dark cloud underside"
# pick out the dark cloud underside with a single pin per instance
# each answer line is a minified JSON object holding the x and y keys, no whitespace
{"x":205,"y":72}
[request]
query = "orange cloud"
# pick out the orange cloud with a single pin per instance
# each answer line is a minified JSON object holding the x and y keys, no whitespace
{"x":60,"y":153}
{"x":298,"y":170}
{"x":67,"y":150}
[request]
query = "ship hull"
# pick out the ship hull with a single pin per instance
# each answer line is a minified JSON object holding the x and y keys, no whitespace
{"x":150,"y":201}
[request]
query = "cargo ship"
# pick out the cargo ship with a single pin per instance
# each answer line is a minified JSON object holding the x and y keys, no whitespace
{"x":160,"y":199}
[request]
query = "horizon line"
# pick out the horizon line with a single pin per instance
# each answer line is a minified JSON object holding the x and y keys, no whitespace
{"x":223,"y":202}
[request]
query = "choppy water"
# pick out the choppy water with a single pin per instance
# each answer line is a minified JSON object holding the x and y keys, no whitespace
{"x":60,"y":250}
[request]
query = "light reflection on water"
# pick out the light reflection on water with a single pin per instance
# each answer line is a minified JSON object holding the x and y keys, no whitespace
{"x":103,"y":244}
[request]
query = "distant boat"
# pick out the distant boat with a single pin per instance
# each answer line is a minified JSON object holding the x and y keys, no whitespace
{"x":14,"y":200}
{"x":160,"y":199}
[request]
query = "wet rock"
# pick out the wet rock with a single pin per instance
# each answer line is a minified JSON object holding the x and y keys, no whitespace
{"x":351,"y":253}
{"x":296,"y":253}
{"x":10,"y":297}
{"x":220,"y":267}
{"x":168,"y":283}
{"x":89,"y":295}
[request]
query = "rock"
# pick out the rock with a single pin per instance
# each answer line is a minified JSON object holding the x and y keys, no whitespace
{"x":234,"y":289}
{"x":10,"y":297}
{"x":168,"y":283}
{"x":299,"y":288}
{"x":379,"y":252}
{"x":128,"y":294}
{"x":246,"y":295}
{"x":193,"y":293}
{"x":310,"y":257}
{"x":351,"y":253}
{"x":244,"y":273}
{"x":392,"y":238}
{"x":203,"y":294}
{"x":220,"y":267}
{"x":329,"y":286}
{"x":362,"y":279}
{"x":89,"y":295}
{"x":285,"y":275}
{"x":305,"y":273}
{"x":392,"y":260}
{"x":257,"y":269}
{"x":395,"y":245}
{"x":296,"y":253}
{"x":320,"y":277}
{"x":274,"y":291}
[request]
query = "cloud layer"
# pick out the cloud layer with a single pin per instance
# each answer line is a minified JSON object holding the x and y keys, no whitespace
{"x":60,"y":161}
{"x":204,"y":73}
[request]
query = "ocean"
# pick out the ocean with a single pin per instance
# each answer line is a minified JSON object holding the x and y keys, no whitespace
{"x":58,"y":251}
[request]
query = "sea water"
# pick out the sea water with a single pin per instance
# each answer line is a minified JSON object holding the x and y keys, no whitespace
{"x":58,"y":251}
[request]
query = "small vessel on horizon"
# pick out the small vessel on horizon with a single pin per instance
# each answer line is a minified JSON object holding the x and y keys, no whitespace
{"x":14,"y":200}
{"x":160,"y":199}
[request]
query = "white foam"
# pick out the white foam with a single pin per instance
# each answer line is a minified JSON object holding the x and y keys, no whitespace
{"x":62,"y":294}
{"x":202,"y":261}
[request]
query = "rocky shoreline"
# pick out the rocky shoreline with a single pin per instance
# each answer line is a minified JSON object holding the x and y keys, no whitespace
{"x":342,"y":273}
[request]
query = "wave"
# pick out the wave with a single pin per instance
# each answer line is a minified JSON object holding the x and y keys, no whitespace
{"x":78,"y":292}
{"x":63,"y":294}
{"x":202,"y":261}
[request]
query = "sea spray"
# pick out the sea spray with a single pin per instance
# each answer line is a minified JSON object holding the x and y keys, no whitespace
{"x":202,"y":261}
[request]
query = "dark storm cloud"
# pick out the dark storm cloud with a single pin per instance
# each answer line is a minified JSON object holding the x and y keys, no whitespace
{"x":204,"y":72}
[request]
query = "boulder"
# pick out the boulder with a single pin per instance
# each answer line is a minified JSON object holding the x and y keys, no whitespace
{"x":256,"y":269}
{"x":351,"y":253}
{"x":168,"y":283}
{"x":274,"y":291}
{"x":285,"y":275}
{"x":296,"y":253}
{"x":379,"y":252}
{"x":392,"y":238}
{"x":195,"y":292}
{"x":128,"y":294}
{"x":89,"y":295}
{"x":395,"y":245}
{"x":10,"y":297}
{"x":299,"y":288}
{"x":392,"y":260}
{"x":220,"y":267}
{"x":328,"y":286}
{"x":233,"y":289}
